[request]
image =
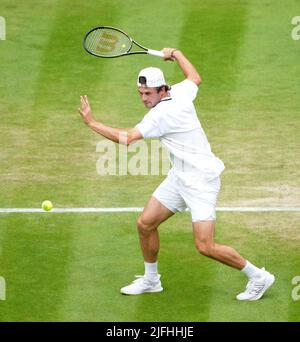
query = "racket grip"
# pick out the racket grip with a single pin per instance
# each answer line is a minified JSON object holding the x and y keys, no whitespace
{"x":156,"y":53}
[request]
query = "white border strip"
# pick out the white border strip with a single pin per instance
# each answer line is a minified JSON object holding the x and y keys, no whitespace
{"x":71,"y":210}
{"x":258,"y":209}
{"x":139,"y":209}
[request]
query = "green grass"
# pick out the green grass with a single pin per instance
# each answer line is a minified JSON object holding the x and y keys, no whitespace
{"x":70,"y":267}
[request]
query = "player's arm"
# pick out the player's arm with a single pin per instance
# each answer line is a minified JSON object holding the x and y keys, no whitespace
{"x":118,"y":135}
{"x":186,"y":66}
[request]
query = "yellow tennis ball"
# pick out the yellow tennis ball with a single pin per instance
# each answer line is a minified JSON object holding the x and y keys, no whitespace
{"x":47,"y":205}
{"x":123,"y":45}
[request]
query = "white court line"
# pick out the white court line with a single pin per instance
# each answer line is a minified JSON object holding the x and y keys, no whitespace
{"x":139,"y":209}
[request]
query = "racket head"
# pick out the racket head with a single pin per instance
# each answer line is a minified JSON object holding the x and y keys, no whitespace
{"x":107,"y":42}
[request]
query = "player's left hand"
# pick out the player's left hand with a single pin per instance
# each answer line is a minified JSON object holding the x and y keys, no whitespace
{"x":85,"y":110}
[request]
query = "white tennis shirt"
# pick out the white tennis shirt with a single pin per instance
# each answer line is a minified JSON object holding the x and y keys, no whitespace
{"x":174,"y":121}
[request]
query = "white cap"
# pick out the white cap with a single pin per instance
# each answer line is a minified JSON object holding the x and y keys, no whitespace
{"x":153,"y":77}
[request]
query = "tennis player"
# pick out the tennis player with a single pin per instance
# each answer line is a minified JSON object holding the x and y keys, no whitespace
{"x":193,"y":181}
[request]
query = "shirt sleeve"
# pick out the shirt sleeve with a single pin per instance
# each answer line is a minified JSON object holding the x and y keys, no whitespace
{"x":185,"y":89}
{"x":149,"y":126}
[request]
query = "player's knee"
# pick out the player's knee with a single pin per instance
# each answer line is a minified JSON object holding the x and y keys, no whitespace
{"x":144,"y":226}
{"x":204,"y":248}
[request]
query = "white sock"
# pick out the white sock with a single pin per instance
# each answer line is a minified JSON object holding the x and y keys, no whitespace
{"x":151,"y":269}
{"x":252,"y":271}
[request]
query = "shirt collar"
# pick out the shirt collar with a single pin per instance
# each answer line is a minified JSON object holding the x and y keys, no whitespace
{"x":168,"y":98}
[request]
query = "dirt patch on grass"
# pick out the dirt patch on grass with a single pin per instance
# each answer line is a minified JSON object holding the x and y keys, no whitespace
{"x":261,"y":196}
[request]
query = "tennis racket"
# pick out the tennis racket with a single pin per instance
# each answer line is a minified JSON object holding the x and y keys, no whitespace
{"x":110,"y":42}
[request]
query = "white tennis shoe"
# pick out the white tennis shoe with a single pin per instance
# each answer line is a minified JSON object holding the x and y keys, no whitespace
{"x":142,"y":285}
{"x":257,"y":287}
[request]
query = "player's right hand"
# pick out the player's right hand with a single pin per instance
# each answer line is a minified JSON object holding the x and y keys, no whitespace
{"x":168,"y":54}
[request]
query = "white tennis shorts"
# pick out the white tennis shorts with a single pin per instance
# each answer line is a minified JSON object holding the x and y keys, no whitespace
{"x":196,"y":193}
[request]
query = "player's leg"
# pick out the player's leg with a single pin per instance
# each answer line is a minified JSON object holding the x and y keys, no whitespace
{"x":152,"y":216}
{"x":204,"y":241}
{"x":201,"y":199}
{"x":163,"y":204}
{"x":259,"y":279}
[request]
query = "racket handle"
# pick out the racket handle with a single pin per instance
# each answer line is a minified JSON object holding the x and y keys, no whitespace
{"x":156,"y":53}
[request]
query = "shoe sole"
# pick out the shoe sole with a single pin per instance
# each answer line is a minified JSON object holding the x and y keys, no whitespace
{"x":148,"y":291}
{"x":268,"y":285}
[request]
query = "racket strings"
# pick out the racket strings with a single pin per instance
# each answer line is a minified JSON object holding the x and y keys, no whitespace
{"x":107,"y":42}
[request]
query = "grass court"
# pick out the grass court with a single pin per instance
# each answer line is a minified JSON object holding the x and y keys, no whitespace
{"x":70,"y":266}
